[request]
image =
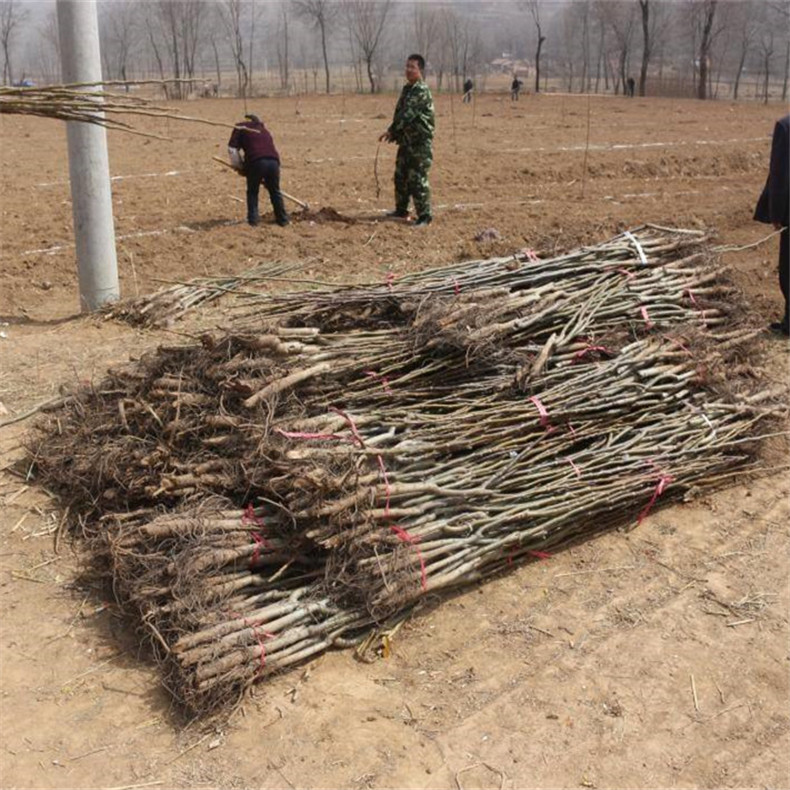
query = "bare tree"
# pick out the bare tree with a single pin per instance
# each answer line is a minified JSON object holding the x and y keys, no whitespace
{"x":282,"y":45}
{"x":217,"y":68}
{"x":620,"y":18}
{"x":586,"y":77}
{"x":319,"y":14}
{"x":461,"y":44}
{"x":192,"y":19}
{"x":254,"y":15}
{"x":232,"y":13}
{"x":656,"y":19}
{"x":781,"y":9}
{"x":152,"y":30}
{"x":644,"y":6}
{"x":426,"y":29}
{"x":442,"y":58}
{"x":745,"y":23}
{"x":572,"y":28}
{"x":120,"y":36}
{"x":49,"y":48}
{"x":11,"y":17}
{"x":533,"y":7}
{"x":708,"y":12}
{"x":766,"y":48}
{"x":366,"y":20}
{"x":601,"y":57}
{"x":174,"y":28}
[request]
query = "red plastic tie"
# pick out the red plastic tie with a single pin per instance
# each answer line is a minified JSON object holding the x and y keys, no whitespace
{"x":676,"y":342}
{"x":390,"y":279}
{"x":696,"y":304}
{"x":260,"y":543}
{"x":579,"y":355}
{"x":541,"y":555}
{"x":575,"y":468}
{"x":260,"y":636}
{"x":407,"y":537}
{"x":532,"y":256}
{"x":544,"y":415}
{"x":351,"y":424}
{"x":663,"y":482}
{"x":249,"y":516}
{"x":386,"y":485}
{"x":385,"y":382}
{"x":648,"y":323}
{"x":456,"y":287}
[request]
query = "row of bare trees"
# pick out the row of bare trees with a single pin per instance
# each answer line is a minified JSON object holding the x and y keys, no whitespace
{"x":584,"y":45}
{"x":702,"y":43}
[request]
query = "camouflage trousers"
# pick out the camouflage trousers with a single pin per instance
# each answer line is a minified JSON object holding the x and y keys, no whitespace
{"x":411,"y":179}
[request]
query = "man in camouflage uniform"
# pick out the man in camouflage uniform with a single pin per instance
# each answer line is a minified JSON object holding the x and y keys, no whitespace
{"x":412,"y":129}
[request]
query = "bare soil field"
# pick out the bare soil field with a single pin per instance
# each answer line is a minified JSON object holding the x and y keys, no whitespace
{"x":654,"y":658}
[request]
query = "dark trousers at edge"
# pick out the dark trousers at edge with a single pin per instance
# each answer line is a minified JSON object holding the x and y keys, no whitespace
{"x":784,"y":272}
{"x":264,"y":170}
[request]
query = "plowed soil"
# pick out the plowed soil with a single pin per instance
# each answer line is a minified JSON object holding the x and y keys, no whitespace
{"x":654,"y":658}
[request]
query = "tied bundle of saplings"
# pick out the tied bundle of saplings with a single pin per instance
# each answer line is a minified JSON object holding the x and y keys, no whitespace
{"x":304,"y":479}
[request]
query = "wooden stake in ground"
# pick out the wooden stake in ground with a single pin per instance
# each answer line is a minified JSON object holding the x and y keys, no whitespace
{"x":376,"y":171}
{"x":452,"y":118}
{"x":586,"y":147}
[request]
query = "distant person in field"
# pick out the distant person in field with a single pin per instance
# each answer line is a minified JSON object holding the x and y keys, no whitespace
{"x":412,"y":129}
{"x":515,"y":88}
{"x":469,"y":86}
{"x":630,"y":85}
{"x":773,"y":208}
{"x":252,"y":152}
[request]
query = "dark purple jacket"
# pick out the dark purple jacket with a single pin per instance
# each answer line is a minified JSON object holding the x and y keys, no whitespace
{"x":255,"y":146}
{"x":774,"y":203}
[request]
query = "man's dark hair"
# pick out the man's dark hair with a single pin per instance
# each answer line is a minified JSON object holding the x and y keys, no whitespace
{"x":419,"y":60}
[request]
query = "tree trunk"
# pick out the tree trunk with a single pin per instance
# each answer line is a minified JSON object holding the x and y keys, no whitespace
{"x":598,"y":64}
{"x":738,"y":74}
{"x":368,"y":63}
{"x":704,"y":49}
{"x":541,"y":39}
{"x":767,"y":77}
{"x":159,"y":63}
{"x":326,"y":57}
{"x":286,"y":80}
{"x":623,"y":77}
{"x":216,"y":63}
{"x":646,"y":45}
{"x":249,"y":56}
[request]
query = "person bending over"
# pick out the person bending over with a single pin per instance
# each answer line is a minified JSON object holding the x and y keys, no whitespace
{"x":253,"y":153}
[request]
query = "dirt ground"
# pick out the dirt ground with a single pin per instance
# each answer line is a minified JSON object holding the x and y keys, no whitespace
{"x":655,"y":658}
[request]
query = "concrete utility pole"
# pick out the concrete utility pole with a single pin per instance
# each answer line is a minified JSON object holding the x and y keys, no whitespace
{"x":89,"y":167}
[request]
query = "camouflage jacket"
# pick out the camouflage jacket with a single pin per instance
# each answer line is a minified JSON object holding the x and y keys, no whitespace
{"x":414,"y":119}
